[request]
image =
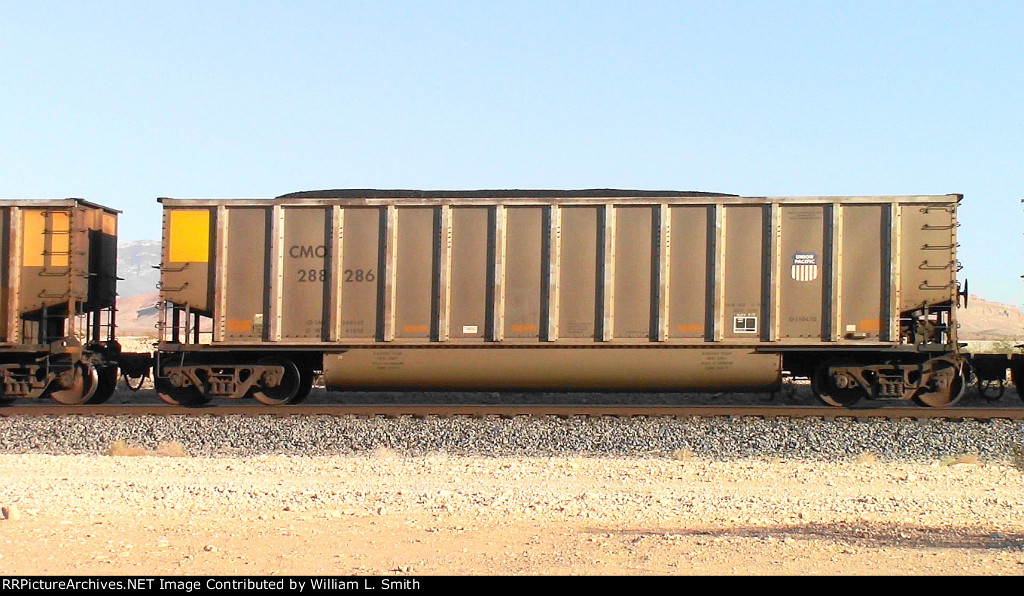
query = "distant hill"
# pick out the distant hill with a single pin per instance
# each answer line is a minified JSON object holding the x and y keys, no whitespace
{"x":136,"y":264}
{"x":983,"y":320}
{"x":136,"y":315}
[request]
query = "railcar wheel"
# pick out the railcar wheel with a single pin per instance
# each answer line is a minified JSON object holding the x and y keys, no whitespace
{"x":305,"y":385}
{"x":178,"y":396}
{"x":829,"y":392}
{"x":79,"y":384}
{"x":286,"y":390}
{"x":949,"y":381}
{"x":107,"y":385}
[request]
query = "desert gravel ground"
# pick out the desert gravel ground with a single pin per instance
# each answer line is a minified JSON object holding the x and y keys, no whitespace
{"x":386,"y":513}
{"x":338,"y":496}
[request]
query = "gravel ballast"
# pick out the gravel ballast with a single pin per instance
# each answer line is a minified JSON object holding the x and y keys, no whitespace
{"x":716,"y":438}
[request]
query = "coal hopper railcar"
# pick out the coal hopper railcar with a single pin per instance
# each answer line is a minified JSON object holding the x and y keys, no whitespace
{"x":592,"y":290}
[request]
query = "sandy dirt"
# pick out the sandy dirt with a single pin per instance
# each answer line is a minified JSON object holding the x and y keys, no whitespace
{"x":385,"y":514}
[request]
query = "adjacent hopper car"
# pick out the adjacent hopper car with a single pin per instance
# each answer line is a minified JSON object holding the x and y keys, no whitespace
{"x":596,"y":290}
{"x":57,"y":294}
{"x":990,"y":361}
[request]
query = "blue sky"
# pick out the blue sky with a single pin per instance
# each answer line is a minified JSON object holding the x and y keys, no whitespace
{"x":122,"y":102}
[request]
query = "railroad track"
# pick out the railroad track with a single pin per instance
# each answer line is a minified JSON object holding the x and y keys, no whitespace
{"x":504,"y":411}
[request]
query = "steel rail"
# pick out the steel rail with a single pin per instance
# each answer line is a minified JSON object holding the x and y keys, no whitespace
{"x":501,"y":411}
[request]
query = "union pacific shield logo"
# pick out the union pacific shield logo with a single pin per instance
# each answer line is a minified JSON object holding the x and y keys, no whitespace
{"x":805,"y":266}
